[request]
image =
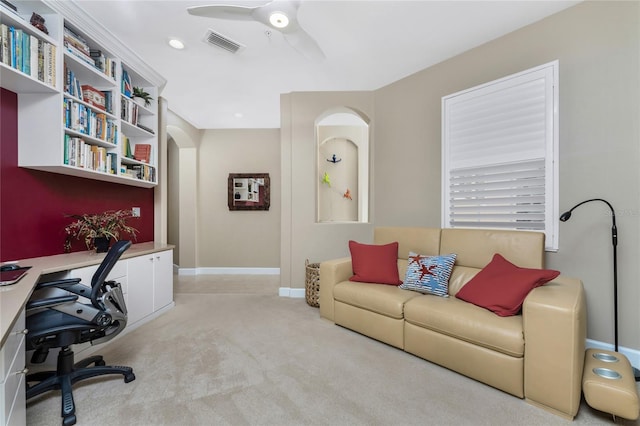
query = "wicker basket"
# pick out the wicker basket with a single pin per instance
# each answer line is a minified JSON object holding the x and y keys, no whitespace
{"x":312,"y":283}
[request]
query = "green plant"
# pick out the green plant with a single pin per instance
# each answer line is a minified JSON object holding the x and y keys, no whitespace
{"x":109,"y":224}
{"x":139,"y":92}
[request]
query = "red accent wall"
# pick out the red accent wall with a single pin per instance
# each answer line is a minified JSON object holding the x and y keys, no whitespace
{"x":33,"y":204}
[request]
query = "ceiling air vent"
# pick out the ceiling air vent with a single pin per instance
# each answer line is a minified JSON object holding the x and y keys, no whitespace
{"x":221,"y":41}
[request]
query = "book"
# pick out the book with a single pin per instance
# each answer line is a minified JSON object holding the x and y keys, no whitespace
{"x":142,"y":152}
{"x":127,"y":87}
{"x":145,"y":128}
{"x":26,"y":53}
{"x":17,"y":46}
{"x":126,"y":147}
{"x":5,"y":56}
{"x":33,"y":56}
{"x":12,"y":47}
{"x":93,"y":96}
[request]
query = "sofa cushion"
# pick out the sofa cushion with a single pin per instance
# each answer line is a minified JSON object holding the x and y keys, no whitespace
{"x":467,"y":322}
{"x":382,"y":299}
{"x":502,"y":286}
{"x":429,"y":274}
{"x":374,"y":263}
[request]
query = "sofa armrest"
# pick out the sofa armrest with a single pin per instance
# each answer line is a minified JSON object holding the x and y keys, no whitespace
{"x":555,"y":328}
{"x":332,"y":272}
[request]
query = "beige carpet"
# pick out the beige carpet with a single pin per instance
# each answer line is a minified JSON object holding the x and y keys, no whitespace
{"x":234,"y":353}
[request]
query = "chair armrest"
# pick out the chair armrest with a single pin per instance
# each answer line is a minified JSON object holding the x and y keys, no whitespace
{"x":332,"y":272}
{"x":555,"y":328}
{"x":64,"y":283}
{"x":72,"y":285}
{"x":50,"y":302}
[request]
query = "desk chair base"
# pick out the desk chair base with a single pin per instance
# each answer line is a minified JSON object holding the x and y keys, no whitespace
{"x":67,"y":374}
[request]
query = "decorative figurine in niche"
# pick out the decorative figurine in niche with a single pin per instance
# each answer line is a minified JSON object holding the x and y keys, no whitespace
{"x":347,"y":194}
{"x":334,"y":159}
{"x":326,"y":179}
{"x":38,"y":22}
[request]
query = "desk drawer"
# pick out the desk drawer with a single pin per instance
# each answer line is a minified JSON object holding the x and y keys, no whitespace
{"x":10,"y":349}
{"x":13,"y":386}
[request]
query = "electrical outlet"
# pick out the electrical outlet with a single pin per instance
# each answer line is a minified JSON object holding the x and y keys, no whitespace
{"x":135,"y":211}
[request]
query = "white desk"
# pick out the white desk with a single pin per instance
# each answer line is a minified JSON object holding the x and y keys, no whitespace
{"x":14,"y":297}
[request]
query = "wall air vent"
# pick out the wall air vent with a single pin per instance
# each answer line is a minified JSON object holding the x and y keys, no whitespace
{"x":222,"y":42}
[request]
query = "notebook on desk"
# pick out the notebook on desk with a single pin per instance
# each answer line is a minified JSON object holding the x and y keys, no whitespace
{"x":12,"y":276}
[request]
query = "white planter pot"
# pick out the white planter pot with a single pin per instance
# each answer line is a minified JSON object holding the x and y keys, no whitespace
{"x":139,"y":101}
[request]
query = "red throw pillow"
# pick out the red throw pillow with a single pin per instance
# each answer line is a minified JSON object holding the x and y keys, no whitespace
{"x":502,"y":286}
{"x":375,"y":263}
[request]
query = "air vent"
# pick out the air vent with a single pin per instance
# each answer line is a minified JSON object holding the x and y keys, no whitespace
{"x":221,"y":41}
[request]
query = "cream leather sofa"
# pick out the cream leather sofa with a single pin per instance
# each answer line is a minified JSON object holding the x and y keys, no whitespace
{"x":537,"y":355}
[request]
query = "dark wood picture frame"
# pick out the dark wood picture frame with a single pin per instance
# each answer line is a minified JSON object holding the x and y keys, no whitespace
{"x":264,"y":191}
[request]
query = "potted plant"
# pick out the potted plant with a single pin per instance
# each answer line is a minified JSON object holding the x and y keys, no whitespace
{"x":97,"y":230}
{"x":141,"y":96}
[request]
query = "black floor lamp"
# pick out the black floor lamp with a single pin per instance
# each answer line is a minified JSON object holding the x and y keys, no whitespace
{"x":614,"y":241}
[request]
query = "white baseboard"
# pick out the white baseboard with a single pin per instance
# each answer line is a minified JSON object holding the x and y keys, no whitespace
{"x":633,"y":355}
{"x":294,"y":293}
{"x":228,"y":271}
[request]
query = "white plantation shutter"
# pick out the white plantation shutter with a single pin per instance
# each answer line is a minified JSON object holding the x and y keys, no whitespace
{"x":499,"y":148}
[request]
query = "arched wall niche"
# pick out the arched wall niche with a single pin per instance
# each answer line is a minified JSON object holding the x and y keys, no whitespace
{"x":342,"y":166}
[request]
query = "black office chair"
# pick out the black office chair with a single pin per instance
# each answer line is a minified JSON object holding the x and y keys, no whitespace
{"x":61,"y":320}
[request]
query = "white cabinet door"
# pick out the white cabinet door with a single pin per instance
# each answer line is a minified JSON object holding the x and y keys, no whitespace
{"x":12,"y":376}
{"x":163,"y":279}
{"x":140,"y":287}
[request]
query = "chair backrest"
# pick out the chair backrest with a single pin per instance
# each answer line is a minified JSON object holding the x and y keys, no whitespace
{"x":109,"y":261}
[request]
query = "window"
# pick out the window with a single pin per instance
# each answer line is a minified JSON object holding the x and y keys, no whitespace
{"x":499,"y":151}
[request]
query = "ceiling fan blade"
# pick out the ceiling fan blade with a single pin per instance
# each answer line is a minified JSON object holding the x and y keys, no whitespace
{"x":224,"y":11}
{"x":300,"y":40}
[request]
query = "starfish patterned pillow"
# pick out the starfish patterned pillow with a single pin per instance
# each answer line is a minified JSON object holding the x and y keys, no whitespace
{"x":429,"y":274}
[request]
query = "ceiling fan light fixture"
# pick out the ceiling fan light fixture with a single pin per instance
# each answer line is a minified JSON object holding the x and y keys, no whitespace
{"x":279,"y":19}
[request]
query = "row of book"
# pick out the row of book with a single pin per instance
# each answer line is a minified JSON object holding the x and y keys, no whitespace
{"x":129,"y":111}
{"x":99,"y":99}
{"x":80,"y":118}
{"x":78,"y":153}
{"x":78,"y":47}
{"x":139,"y":171}
{"x":28,"y":54}
{"x":103,"y":63}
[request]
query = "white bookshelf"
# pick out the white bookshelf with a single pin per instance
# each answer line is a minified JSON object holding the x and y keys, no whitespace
{"x":50,"y":141}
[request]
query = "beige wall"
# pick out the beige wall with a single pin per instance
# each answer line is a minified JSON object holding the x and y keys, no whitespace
{"x":302,"y":237}
{"x":237,"y":239}
{"x":597,"y":45}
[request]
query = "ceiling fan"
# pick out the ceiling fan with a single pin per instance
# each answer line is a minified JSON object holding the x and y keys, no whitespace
{"x":281,"y":15}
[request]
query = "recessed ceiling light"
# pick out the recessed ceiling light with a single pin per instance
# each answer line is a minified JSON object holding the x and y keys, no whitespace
{"x":176,"y":44}
{"x":279,"y":19}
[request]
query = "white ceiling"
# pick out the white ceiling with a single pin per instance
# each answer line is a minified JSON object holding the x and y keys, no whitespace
{"x":367,"y":43}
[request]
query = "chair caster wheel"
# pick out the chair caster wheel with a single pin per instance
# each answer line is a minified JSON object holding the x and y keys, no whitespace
{"x":69,"y":420}
{"x":100,"y":363}
{"x":129,"y":377}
